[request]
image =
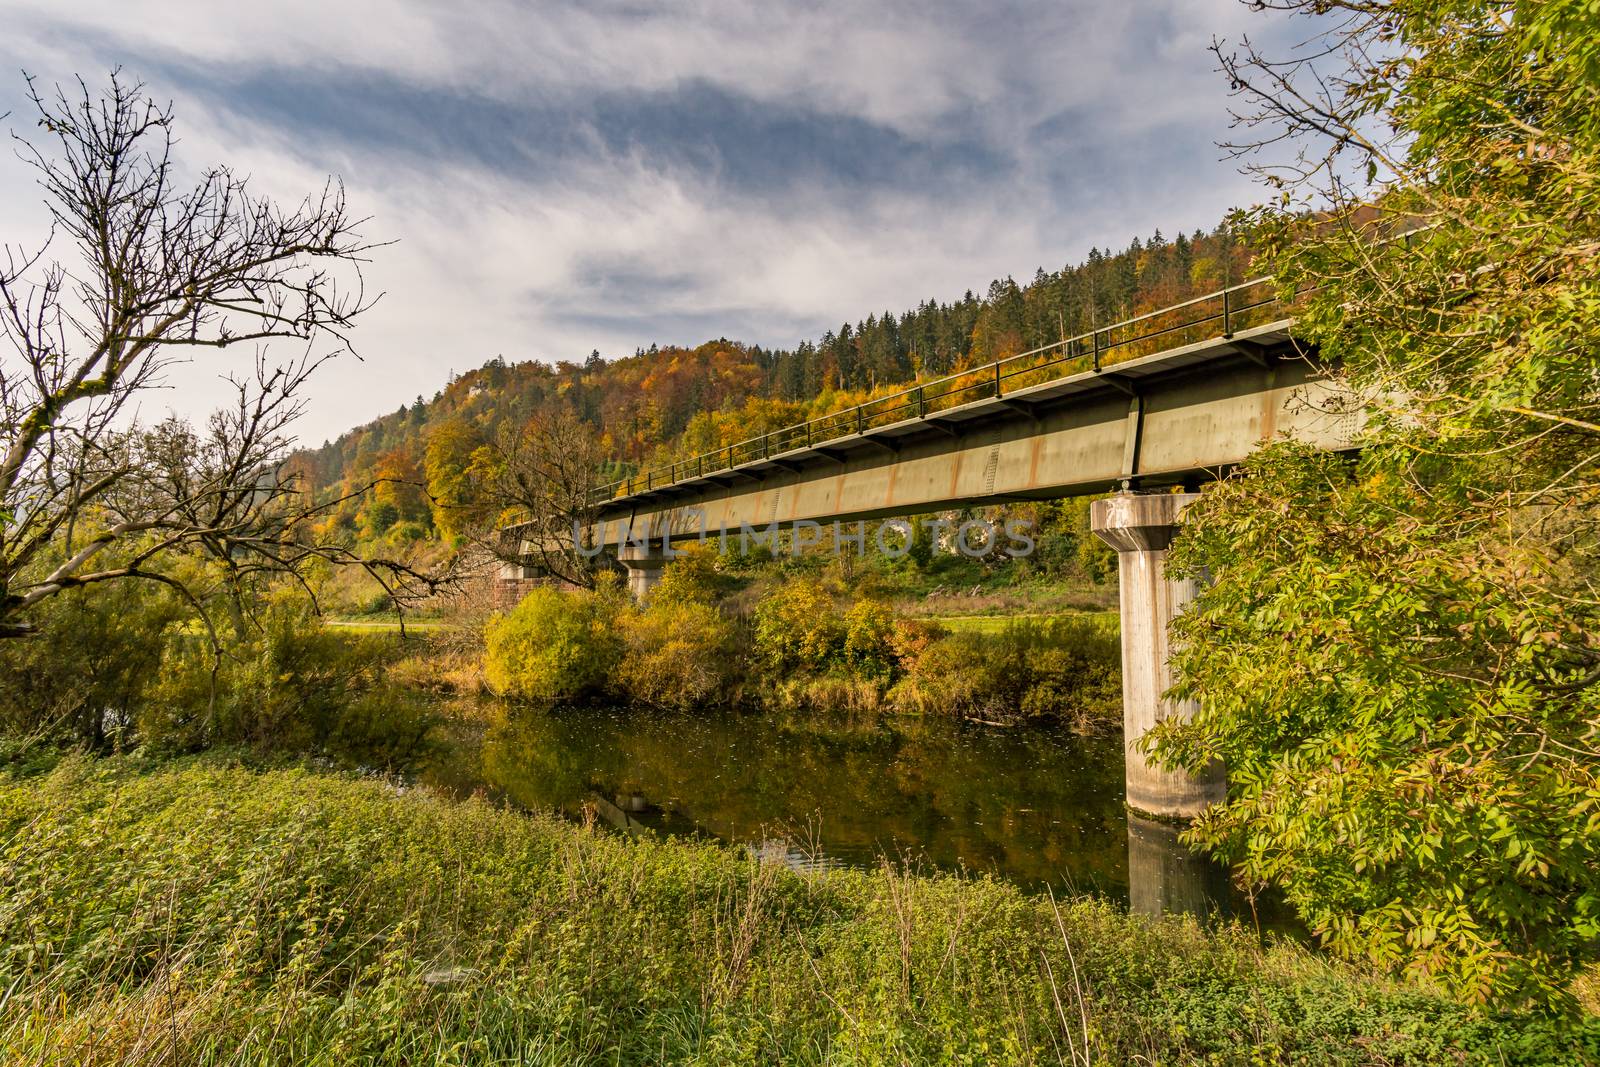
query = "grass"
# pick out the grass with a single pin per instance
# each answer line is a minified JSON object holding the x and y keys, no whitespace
{"x":993,"y":624}
{"x":207,"y":912}
{"x":955,"y":586}
{"x":385,"y":624}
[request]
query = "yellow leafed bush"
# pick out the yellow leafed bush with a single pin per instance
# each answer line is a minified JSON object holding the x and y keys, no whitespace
{"x":557,"y":645}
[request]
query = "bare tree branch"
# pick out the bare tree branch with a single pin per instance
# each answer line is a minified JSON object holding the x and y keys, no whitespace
{"x":151,"y":269}
{"x":538,"y":485}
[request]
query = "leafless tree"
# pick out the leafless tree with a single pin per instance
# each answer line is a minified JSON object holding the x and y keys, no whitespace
{"x":154,"y":270}
{"x":1302,"y":124}
{"x":540,"y":484}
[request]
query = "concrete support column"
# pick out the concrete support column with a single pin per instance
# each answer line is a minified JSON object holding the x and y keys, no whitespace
{"x":1140,"y":526}
{"x":645,"y":564}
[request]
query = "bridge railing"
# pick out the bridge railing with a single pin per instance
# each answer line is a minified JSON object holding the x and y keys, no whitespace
{"x":1219,"y":314}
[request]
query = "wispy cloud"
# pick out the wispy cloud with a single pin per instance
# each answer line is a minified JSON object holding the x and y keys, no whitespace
{"x":568,"y":176}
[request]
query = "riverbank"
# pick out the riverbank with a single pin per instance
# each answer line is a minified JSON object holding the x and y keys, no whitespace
{"x":803,"y":644}
{"x":202,"y":911}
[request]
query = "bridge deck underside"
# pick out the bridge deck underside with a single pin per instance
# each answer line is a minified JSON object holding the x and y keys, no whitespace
{"x":1164,"y":419}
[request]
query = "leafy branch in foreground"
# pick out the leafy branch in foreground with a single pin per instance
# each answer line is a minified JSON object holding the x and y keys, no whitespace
{"x":158,"y":268}
{"x":1399,"y":657}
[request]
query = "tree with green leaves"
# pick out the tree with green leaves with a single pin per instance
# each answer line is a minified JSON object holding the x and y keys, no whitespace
{"x":1398,"y":656}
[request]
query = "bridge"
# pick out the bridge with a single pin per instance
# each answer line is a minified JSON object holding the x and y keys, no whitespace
{"x":1149,"y":407}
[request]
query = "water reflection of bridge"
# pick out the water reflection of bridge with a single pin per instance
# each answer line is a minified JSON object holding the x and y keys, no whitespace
{"x":1164,"y":876}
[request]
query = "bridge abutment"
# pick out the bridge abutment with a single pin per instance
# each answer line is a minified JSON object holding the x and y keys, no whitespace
{"x":1141,"y":526}
{"x":644,"y":564}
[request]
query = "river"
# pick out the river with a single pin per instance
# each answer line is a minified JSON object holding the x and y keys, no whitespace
{"x":1039,"y":808}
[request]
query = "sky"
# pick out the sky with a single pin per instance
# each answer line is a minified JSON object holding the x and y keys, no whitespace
{"x":563,"y":177}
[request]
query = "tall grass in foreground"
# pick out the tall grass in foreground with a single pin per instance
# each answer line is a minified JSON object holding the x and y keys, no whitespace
{"x":207,"y":913}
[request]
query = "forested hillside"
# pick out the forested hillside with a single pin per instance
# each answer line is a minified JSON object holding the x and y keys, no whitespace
{"x":662,"y":402}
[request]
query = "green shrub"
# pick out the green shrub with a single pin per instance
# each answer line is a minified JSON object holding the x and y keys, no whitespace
{"x":567,"y":645}
{"x":129,"y":663}
{"x":289,"y":685}
{"x":85,"y":675}
{"x":1407,"y":716}
{"x":868,"y":633}
{"x":1063,"y":669}
{"x":1096,"y":559}
{"x":947,"y":676}
{"x":556,"y":646}
{"x":920,"y":551}
{"x":679,"y":654}
{"x":1075,"y":671}
{"x":381,"y":516}
{"x":1054,"y":553}
{"x":692,"y":578}
{"x":797,"y":627}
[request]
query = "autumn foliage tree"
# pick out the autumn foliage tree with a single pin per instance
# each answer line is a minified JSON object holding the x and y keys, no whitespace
{"x":448,"y":466}
{"x":664,"y":403}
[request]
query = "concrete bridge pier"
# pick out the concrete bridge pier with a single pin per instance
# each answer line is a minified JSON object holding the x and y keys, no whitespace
{"x":1141,"y":526}
{"x":644,"y":564}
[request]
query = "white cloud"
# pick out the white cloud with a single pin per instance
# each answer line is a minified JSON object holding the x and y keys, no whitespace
{"x":1077,"y":111}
